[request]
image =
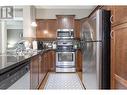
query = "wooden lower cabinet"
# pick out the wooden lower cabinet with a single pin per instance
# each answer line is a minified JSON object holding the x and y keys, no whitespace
{"x":78,"y":61}
{"x":51,"y":59}
{"x":119,"y":57}
{"x":118,"y":46}
{"x":34,"y":75}
{"x":40,"y":65}
{"x":41,"y":69}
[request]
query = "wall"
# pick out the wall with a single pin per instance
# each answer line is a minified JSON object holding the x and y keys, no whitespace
{"x":3,"y":37}
{"x":28,"y":17}
{"x":14,"y":24}
{"x":0,"y":38}
{"x":51,"y":13}
{"x":13,"y":36}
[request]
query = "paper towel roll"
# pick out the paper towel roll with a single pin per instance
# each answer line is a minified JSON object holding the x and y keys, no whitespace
{"x":34,"y":45}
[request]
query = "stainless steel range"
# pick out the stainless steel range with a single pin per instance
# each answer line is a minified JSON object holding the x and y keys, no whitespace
{"x":65,"y":53}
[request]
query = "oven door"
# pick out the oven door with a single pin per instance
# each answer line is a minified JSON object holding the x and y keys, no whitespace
{"x":65,"y":59}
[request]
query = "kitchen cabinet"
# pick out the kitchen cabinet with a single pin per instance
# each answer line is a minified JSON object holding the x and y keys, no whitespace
{"x":78,"y":61}
{"x":52,"y":27}
{"x":77,"y":28}
{"x":40,"y":65}
{"x":65,"y":21}
{"x":48,"y":59}
{"x":51,"y":61}
{"x":34,"y":72}
{"x":41,"y":69}
{"x":118,"y":14}
{"x":118,"y":46}
{"x":41,"y":29}
{"x":43,"y":57}
{"x":46,"y":28}
{"x":119,"y":54}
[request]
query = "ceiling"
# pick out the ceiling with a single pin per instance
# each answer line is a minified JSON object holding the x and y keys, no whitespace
{"x":66,"y":7}
{"x":50,"y":12}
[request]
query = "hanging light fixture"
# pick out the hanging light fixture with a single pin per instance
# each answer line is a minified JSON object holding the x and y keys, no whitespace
{"x":34,"y":24}
{"x":33,"y":12}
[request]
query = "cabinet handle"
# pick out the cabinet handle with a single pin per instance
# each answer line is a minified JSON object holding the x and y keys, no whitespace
{"x":111,"y":19}
{"x":111,"y":34}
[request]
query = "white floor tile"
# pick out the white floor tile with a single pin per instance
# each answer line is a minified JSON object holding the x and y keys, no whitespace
{"x":63,"y":81}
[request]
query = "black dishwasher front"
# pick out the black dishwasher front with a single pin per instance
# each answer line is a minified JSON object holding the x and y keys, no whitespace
{"x":10,"y":77}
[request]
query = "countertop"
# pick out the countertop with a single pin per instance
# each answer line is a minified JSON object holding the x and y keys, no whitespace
{"x":8,"y":62}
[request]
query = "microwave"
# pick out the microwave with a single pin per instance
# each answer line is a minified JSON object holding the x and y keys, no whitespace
{"x":65,"y":33}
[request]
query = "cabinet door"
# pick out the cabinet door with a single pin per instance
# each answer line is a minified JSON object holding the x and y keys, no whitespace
{"x":79,"y":61}
{"x":52,"y":27}
{"x":41,"y":29}
{"x":51,"y":59}
{"x":77,"y":28}
{"x":120,"y":14}
{"x":119,"y":57}
{"x":46,"y":28}
{"x":41,"y":69}
{"x":65,"y":21}
{"x":44,"y":64}
{"x":34,"y":72}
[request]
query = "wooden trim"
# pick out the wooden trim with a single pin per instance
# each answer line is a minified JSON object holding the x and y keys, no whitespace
{"x":83,"y":19}
{"x":44,"y":19}
{"x":119,"y":22}
{"x":64,"y":15}
{"x":121,"y":80}
{"x":120,"y":26}
{"x":42,"y":85}
{"x":45,"y":39}
{"x":56,"y":19}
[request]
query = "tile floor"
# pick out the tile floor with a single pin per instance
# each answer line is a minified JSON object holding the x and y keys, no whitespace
{"x":63,"y":81}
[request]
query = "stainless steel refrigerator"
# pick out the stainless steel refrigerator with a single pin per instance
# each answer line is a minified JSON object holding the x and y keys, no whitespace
{"x":95,"y":43}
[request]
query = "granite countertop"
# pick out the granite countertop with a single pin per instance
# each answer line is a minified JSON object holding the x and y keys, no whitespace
{"x":8,"y":61}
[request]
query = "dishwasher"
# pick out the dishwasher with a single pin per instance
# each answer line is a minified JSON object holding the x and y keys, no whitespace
{"x":16,"y":78}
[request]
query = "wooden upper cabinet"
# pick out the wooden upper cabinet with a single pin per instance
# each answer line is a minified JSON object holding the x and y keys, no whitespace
{"x":52,"y":27}
{"x":77,"y":28}
{"x":41,"y":29}
{"x":120,"y":14}
{"x":65,"y":21}
{"x":46,"y":28}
